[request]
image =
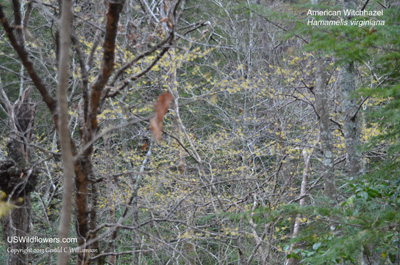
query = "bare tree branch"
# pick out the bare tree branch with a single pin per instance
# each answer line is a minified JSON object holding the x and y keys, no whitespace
{"x":107,"y":67}
{"x":23,"y":54}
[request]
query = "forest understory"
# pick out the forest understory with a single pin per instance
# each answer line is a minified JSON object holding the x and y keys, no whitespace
{"x":200,"y":132}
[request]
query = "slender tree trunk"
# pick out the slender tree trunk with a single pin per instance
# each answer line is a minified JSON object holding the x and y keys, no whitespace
{"x":350,"y":121}
{"x":110,"y":204}
{"x":63,"y":132}
{"x":351,"y":131}
{"x":303,"y":192}
{"x":322,"y":106}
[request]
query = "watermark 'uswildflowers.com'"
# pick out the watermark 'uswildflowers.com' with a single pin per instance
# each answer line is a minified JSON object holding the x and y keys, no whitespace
{"x":41,"y":240}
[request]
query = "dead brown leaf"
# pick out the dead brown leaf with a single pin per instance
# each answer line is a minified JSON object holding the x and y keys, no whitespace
{"x":160,"y":107}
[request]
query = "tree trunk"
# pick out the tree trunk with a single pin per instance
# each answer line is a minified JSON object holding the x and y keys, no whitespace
{"x":89,"y":126}
{"x":16,"y":225}
{"x":63,"y":130}
{"x":322,"y":106}
{"x":18,"y":178}
{"x":350,"y":121}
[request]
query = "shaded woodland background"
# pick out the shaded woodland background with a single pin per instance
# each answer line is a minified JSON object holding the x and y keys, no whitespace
{"x":280,"y":144}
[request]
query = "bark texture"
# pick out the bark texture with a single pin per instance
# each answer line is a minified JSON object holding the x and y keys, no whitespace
{"x":350,"y":121}
{"x":63,"y":132}
{"x":322,"y":107}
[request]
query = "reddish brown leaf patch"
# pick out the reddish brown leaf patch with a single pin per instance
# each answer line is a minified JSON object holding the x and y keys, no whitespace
{"x":160,"y":107}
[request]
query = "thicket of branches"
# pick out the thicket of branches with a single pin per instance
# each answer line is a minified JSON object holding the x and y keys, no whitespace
{"x":199,"y":132}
